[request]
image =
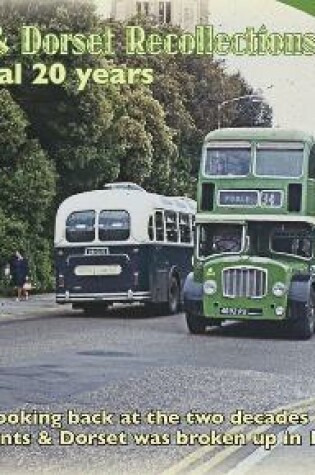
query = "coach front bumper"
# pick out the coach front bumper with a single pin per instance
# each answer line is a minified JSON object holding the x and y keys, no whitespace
{"x":130,"y":296}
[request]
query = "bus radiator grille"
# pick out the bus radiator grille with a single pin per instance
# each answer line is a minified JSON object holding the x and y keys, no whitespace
{"x":245,"y":282}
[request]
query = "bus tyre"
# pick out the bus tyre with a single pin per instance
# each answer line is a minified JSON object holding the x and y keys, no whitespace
{"x":303,"y":327}
{"x":173,"y":304}
{"x":196,"y":324}
{"x":213,"y":322}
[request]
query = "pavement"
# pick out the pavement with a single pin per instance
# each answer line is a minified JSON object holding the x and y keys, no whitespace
{"x":11,"y":308}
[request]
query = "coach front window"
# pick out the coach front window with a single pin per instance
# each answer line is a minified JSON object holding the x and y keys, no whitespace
{"x":114,"y":226}
{"x":80,"y":226}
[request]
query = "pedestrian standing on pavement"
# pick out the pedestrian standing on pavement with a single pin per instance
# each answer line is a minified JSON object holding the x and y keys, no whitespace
{"x":19,"y":274}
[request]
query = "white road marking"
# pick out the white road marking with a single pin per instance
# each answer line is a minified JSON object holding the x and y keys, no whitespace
{"x":243,"y":467}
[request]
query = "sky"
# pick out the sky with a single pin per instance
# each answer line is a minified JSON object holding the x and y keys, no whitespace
{"x":287,"y":83}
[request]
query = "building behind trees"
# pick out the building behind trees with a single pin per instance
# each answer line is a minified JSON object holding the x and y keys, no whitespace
{"x":186,"y":13}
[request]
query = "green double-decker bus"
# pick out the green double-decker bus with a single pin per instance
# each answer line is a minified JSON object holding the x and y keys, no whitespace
{"x":255,"y":228}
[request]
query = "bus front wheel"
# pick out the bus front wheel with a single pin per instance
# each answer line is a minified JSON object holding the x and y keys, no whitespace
{"x":303,"y":327}
{"x":196,"y":324}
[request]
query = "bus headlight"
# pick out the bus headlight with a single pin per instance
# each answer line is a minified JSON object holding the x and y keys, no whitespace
{"x":279,"y":289}
{"x":210,"y":287}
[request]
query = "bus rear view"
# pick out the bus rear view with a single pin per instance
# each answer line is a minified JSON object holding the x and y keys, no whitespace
{"x":122,"y":244}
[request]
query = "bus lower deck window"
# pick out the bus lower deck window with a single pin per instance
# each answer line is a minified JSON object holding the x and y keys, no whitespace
{"x":292,"y":241}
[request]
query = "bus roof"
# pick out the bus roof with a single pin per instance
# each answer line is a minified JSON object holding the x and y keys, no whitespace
{"x":257,"y":134}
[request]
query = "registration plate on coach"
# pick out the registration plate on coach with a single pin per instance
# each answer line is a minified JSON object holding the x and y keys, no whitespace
{"x":96,"y":251}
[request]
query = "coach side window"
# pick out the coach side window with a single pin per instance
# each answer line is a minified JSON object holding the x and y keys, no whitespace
{"x":171,"y":221}
{"x":151,"y":229}
{"x":185,"y":228}
{"x":312,"y":163}
{"x":159,"y":226}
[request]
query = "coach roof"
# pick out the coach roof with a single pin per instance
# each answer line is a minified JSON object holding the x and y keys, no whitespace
{"x":125,"y":199}
{"x":259,"y":134}
{"x":138,"y":203}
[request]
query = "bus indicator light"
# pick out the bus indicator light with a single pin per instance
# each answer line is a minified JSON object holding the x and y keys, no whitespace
{"x":280,"y":311}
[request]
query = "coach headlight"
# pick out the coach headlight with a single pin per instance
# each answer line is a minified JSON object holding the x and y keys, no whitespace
{"x":210,"y":287}
{"x":279,"y":289}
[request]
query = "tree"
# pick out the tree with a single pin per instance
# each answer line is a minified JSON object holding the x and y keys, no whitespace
{"x":190,"y":89}
{"x":78,"y":141}
{"x":27,"y":187}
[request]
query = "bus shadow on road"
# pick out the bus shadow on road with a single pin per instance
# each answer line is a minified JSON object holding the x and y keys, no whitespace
{"x":251,"y":330}
{"x":119,"y":312}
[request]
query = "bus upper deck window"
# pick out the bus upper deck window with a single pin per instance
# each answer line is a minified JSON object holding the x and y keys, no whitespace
{"x":80,"y":226}
{"x":114,"y":226}
{"x":228,"y":161}
{"x":279,"y":160}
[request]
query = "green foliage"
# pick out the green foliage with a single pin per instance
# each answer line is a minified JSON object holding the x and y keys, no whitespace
{"x":27,"y":188}
{"x":190,"y":88}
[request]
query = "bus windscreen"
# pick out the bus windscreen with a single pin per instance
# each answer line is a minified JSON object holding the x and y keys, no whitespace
{"x":220,"y":239}
{"x":228,"y":161}
{"x":282,"y":163}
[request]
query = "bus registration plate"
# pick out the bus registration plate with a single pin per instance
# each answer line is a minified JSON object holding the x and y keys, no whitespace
{"x":234,"y":312}
{"x":96,"y":251}
{"x":241,"y":312}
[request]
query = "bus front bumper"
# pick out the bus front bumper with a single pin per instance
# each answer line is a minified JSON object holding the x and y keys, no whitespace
{"x":129,"y":296}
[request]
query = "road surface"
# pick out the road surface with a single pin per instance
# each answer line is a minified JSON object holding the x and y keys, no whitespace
{"x":55,"y":360}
